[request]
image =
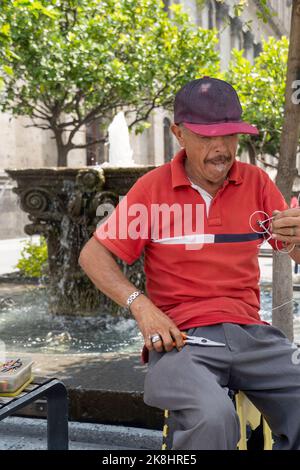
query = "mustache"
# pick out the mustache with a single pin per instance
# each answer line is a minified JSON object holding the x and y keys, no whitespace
{"x":221,"y":158}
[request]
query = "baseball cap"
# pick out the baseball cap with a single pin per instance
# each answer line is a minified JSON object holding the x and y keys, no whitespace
{"x":210,"y":107}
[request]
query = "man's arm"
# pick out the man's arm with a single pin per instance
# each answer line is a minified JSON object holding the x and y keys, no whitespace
{"x":99,"y":265}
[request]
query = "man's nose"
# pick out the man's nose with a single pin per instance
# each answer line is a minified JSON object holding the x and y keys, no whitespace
{"x":219,"y":144}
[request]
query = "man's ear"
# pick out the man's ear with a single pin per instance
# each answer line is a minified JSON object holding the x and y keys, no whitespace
{"x":179,"y":134}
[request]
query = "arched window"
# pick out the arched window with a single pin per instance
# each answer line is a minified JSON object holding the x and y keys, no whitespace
{"x":248,"y":45}
{"x":168,"y":140}
{"x":236,"y":34}
{"x":257,"y":49}
{"x":95,"y":154}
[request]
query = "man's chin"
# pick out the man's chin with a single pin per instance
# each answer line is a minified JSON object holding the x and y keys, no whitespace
{"x":214,"y":179}
{"x":218,"y":173}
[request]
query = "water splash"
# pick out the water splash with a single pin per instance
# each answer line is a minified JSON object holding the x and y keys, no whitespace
{"x":26,"y":325}
{"x":120,"y":152}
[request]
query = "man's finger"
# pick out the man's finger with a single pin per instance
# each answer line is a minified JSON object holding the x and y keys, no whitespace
{"x":286,"y":239}
{"x":158,"y":346}
{"x":167,"y":341}
{"x":148,"y":343}
{"x":287,"y":231}
{"x":295,"y":212}
{"x":178,"y":338}
{"x":284,"y":222}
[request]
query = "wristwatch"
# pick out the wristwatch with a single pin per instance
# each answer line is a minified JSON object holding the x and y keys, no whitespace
{"x":132,"y":297}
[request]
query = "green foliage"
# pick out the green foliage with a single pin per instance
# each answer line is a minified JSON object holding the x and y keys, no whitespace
{"x":34,"y":258}
{"x":261,"y":89}
{"x":264,"y":12}
{"x":88,"y":58}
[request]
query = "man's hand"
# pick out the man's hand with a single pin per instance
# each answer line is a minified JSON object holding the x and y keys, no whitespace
{"x":286,"y":226}
{"x":151,"y":320}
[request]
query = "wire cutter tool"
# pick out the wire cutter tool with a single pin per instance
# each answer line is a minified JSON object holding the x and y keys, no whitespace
{"x":199,"y":340}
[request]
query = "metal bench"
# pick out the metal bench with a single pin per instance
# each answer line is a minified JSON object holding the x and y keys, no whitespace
{"x":57,"y":409}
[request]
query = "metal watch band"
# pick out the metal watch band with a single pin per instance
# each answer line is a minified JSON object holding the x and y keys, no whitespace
{"x":133,"y":296}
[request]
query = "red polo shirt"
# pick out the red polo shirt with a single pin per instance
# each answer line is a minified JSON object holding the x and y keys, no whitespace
{"x":197,"y":276}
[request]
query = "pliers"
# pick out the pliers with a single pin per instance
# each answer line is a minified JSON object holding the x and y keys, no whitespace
{"x":11,"y":365}
{"x":199,"y":340}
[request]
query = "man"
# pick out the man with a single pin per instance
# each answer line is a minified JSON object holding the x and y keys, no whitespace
{"x":200,"y":220}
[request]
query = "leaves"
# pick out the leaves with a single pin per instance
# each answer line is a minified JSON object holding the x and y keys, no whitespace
{"x":88,"y":58}
{"x":33,"y":261}
{"x":261,"y":88}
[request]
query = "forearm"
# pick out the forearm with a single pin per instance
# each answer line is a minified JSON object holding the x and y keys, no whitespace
{"x":99,"y":265}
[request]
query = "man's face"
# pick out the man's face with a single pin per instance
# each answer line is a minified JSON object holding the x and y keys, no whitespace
{"x":210,"y":157}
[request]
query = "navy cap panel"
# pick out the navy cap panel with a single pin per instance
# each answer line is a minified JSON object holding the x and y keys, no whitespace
{"x":207,"y":100}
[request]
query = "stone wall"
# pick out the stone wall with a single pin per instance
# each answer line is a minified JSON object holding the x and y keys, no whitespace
{"x":13,"y":219}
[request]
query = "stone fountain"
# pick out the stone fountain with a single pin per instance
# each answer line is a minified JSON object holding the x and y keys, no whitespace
{"x":62,"y":204}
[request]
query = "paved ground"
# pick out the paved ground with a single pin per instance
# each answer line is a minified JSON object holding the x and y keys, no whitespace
{"x":31,"y":434}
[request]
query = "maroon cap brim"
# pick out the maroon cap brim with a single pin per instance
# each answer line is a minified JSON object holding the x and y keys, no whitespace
{"x":223,"y":128}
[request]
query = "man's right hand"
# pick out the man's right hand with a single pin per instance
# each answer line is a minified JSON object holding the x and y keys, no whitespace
{"x":151,"y":320}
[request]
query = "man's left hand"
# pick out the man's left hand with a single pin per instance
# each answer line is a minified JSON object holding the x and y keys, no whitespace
{"x":286,"y":226}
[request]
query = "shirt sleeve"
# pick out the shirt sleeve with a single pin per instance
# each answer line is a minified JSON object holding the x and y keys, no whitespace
{"x":273,"y":200}
{"x":126,"y":231}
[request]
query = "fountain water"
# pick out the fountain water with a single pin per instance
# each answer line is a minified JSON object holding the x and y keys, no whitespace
{"x":120,"y":152}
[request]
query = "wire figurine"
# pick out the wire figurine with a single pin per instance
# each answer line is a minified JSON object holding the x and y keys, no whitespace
{"x":264,"y":227}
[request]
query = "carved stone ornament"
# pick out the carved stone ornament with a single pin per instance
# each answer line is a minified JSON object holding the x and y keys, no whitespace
{"x":62,"y":204}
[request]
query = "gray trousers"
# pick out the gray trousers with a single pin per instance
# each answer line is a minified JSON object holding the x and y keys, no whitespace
{"x":193,"y":384}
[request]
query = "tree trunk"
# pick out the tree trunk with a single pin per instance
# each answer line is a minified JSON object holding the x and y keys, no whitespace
{"x":62,"y":149}
{"x":282,"y":273}
{"x":62,"y":155}
{"x":251,"y":153}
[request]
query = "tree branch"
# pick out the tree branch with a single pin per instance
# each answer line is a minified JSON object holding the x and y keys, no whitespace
{"x":92,"y":116}
{"x":89,"y":144}
{"x":153,"y":105}
{"x":251,"y":152}
{"x":39,"y":126}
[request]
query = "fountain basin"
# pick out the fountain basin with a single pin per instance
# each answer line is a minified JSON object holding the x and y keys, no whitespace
{"x":26,"y":326}
{"x":62,"y":205}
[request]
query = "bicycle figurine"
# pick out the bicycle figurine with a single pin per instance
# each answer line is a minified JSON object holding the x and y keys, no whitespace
{"x":260,"y":222}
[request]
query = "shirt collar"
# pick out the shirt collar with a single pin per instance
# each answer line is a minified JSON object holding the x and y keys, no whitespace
{"x":180,"y":178}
